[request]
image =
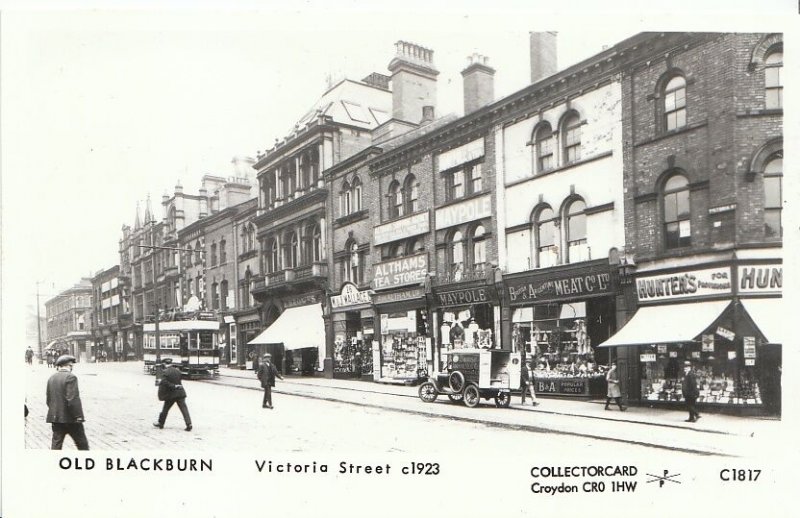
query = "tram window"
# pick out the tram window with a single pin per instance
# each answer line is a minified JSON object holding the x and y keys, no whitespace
{"x":206,"y":340}
{"x":193,"y":341}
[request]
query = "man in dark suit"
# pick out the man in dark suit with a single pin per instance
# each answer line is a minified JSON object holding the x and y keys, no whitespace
{"x":171,"y":391}
{"x":64,"y":408}
{"x":690,"y":391}
{"x":267,"y":372}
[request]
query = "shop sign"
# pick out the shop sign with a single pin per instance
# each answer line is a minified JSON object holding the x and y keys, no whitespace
{"x":470,"y":210}
{"x":402,"y":228}
{"x":726,"y":333}
{"x":647,"y":357}
{"x":398,"y":295}
{"x":400,"y":272}
{"x":661,"y":348}
{"x":463,"y":297}
{"x":750,"y":362}
{"x":708,"y":343}
{"x":228,"y":319}
{"x":350,"y":296}
{"x":749,"y":346}
{"x":575,"y":386}
{"x":683,"y":285}
{"x":376,"y":359}
{"x":761,"y":278}
{"x":546,"y":288}
{"x":303,"y":300}
{"x":461,"y":155}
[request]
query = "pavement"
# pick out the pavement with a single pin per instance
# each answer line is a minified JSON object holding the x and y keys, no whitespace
{"x":120,"y":399}
{"x":589,"y":409}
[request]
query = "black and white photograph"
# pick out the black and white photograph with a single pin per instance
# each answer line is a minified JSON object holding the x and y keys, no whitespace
{"x":394,"y":259}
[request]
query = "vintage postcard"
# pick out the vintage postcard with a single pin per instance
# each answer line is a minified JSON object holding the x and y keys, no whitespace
{"x":359,"y":259}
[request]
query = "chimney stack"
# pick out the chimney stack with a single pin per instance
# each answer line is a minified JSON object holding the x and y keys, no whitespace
{"x":478,"y":83}
{"x":413,"y":81}
{"x":544,"y":55}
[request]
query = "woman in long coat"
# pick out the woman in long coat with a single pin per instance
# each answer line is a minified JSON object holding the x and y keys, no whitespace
{"x":612,"y":377}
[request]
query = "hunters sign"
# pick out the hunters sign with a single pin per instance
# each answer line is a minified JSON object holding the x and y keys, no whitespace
{"x":683,"y":285}
{"x":543,"y":288}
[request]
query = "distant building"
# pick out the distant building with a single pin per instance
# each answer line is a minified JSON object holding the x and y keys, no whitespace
{"x":108,"y":305}
{"x":69,"y":321}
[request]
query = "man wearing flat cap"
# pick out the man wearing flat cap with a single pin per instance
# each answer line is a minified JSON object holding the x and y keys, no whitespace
{"x":64,"y":409}
{"x":171,"y":391}
{"x":690,"y":391}
{"x":267,"y":372}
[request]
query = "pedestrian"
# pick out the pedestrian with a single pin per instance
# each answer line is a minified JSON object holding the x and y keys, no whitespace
{"x":612,"y":377}
{"x":527,"y":382}
{"x":171,"y":391}
{"x":266,"y":374}
{"x":29,"y":355}
{"x":64,"y":409}
{"x":49,"y":358}
{"x":690,"y":391}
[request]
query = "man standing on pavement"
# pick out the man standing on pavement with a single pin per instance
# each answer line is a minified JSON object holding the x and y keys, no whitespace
{"x":64,"y":409}
{"x":690,"y":391}
{"x":266,"y":374}
{"x":171,"y":391}
{"x":527,"y":381}
{"x":29,"y":355}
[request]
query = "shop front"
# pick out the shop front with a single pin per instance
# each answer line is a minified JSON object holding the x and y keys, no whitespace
{"x":724,"y":319}
{"x":558,"y":318}
{"x":402,"y":349}
{"x":353,"y":323}
{"x":296,"y":338}
{"x":465,"y":316}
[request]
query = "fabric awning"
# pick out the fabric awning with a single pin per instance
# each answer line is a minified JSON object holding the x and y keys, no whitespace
{"x":295,"y":328}
{"x":768,"y":317}
{"x":668,"y":323}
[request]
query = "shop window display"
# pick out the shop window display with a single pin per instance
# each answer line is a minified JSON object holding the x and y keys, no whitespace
{"x":723,"y":378}
{"x":353,"y":355}
{"x":467,"y":328}
{"x":403,"y":344}
{"x":555,"y":336}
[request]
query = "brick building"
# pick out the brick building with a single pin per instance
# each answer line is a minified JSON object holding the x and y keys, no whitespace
{"x":108,"y":306}
{"x":69,"y":321}
{"x":702,"y":123}
{"x":292,"y":223}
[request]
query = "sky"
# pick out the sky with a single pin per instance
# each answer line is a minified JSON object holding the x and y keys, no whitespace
{"x":101,"y":109}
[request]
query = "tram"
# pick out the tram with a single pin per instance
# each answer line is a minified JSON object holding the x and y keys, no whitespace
{"x":190,"y":340}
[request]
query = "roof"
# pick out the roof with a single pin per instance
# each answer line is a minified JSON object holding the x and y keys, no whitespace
{"x":352,"y":103}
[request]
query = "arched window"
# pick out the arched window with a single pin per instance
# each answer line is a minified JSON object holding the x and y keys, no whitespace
{"x":356,"y":189}
{"x":675,"y":103}
{"x":352,"y":263}
{"x":546,"y":238}
{"x":223,"y":255}
{"x":305,"y":171}
{"x":314,"y":243}
{"x":287,"y":179}
{"x":223,"y":295}
{"x":677,"y":212}
{"x":411,"y":190}
{"x":395,"y":200}
{"x":313,"y":165}
{"x":274,"y":257}
{"x":571,"y":138}
{"x":543,"y":144}
{"x":290,"y":255}
{"x":198,"y":256}
{"x":189,"y":256}
{"x":414,"y":245}
{"x":344,"y":199}
{"x":773,"y":196}
{"x":773,"y":81}
{"x":478,"y":240}
{"x":171,"y":220}
{"x":394,"y":251}
{"x":213,"y":254}
{"x":214,"y":296}
{"x":577,"y":249}
{"x":271,"y":189}
{"x":455,"y":256}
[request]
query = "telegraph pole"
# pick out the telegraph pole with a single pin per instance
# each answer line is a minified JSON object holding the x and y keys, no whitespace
{"x":38,"y":322}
